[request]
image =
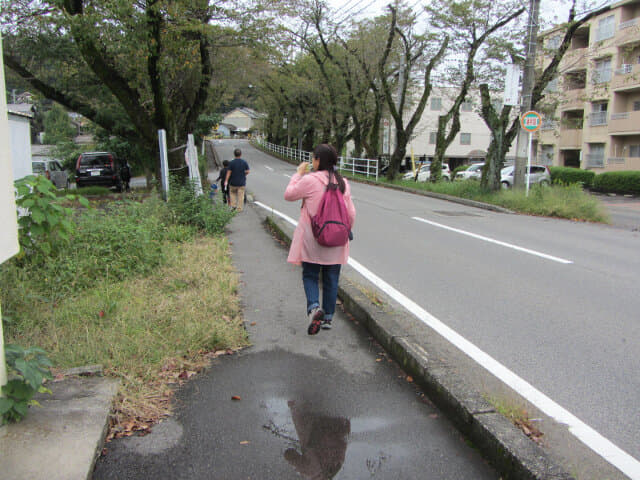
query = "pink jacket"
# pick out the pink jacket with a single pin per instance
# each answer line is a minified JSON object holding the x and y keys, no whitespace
{"x":304,"y":247}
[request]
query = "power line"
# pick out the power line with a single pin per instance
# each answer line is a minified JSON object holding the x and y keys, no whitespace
{"x":337,"y":10}
{"x":345,"y":12}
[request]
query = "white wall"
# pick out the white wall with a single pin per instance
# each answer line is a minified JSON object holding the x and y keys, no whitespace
{"x":8,"y":219}
{"x":20,"y":140}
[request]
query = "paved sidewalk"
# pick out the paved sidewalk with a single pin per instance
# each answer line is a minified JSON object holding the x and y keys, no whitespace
{"x":331,"y":405}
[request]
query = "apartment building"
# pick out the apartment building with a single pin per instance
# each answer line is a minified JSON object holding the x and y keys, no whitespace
{"x":591,"y":111}
{"x":469,"y":145}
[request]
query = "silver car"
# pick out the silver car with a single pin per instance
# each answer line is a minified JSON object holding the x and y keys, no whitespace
{"x":425,"y":173}
{"x":537,"y":174}
{"x":51,"y":169}
{"x":474,"y":171}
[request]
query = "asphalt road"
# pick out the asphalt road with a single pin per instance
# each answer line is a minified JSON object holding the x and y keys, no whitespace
{"x":554,"y":301}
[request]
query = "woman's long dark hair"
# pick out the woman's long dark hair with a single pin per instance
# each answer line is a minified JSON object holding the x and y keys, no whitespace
{"x":328,"y":160}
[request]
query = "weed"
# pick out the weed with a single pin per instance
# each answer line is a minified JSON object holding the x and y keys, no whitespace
{"x":518,"y":415}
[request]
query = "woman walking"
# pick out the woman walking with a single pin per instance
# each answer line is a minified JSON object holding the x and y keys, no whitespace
{"x":305,"y":250}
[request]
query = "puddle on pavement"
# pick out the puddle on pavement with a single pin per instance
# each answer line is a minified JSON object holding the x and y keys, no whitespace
{"x":315,"y":443}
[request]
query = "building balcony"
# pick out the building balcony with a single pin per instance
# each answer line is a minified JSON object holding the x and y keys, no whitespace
{"x":627,"y":77}
{"x":628,"y":32}
{"x":575,"y":59}
{"x":624,"y":123}
{"x":570,"y":138}
{"x":573,"y":99}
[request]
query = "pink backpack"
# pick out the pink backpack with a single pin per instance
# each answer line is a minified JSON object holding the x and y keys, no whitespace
{"x":331,"y":225}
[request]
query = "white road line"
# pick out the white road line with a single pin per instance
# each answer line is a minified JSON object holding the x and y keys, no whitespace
{"x":286,"y":175}
{"x":268,"y":168}
{"x":587,"y":435}
{"x":497,"y":242}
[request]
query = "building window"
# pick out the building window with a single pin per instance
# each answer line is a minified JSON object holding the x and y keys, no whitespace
{"x":432,"y":138}
{"x":552,"y":86}
{"x":598,"y":114}
{"x":602,"y":70}
{"x":436,"y":103}
{"x":546,"y":154}
{"x":466,"y":106}
{"x":595,"y":157}
{"x":606,"y":28}
{"x":465,"y":139}
{"x":634,"y":150}
{"x":636,"y":105}
{"x":554,"y":42}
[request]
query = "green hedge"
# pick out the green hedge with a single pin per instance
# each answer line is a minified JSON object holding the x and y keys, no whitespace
{"x":624,"y":182}
{"x":568,"y":176}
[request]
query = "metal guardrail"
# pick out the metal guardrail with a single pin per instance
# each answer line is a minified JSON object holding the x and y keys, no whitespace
{"x":627,"y":24}
{"x":595,"y":160}
{"x":616,"y":160}
{"x":598,"y":118}
{"x":361,"y":166}
{"x":620,"y":116}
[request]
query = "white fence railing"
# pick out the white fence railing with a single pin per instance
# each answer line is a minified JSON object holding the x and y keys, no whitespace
{"x":355,"y":166}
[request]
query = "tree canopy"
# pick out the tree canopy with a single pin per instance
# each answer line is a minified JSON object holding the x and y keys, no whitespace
{"x":133,"y":68}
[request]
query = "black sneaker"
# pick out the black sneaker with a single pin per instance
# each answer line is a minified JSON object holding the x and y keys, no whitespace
{"x":326,"y":324}
{"x":316,"y":316}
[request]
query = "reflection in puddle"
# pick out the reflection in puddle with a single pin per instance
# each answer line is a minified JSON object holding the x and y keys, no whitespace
{"x":323,"y":442}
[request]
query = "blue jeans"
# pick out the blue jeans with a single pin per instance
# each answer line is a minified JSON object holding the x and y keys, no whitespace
{"x":330,"y":276}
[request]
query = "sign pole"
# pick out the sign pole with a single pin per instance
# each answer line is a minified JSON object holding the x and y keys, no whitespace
{"x":528,"y":174}
{"x":530,"y":122}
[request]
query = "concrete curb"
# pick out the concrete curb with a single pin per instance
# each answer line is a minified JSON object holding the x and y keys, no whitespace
{"x":63,"y":439}
{"x":513,"y":454}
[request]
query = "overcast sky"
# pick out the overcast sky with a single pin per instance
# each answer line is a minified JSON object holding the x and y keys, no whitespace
{"x":551,"y":11}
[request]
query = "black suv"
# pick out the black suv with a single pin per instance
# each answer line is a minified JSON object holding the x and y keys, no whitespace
{"x":98,"y":168}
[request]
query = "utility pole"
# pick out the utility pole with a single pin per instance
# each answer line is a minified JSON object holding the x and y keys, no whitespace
{"x":528,"y":80}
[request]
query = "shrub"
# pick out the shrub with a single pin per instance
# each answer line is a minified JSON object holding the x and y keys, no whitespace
{"x":569,"y":176}
{"x":27,"y":369}
{"x":189,"y":209}
{"x":45,"y":225}
{"x":624,"y":182}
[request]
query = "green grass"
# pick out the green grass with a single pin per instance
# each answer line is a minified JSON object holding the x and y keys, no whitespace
{"x":136,"y":291}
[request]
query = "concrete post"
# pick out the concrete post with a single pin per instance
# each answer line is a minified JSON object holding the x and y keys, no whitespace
{"x":528,"y":80}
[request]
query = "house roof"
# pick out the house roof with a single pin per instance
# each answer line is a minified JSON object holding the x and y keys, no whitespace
{"x":247,"y":111}
{"x":21,"y":109}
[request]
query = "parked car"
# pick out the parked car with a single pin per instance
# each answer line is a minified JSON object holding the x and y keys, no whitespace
{"x":474,"y":171}
{"x":98,"y":169}
{"x":425,"y":173}
{"x":52,"y":169}
{"x":537,"y":174}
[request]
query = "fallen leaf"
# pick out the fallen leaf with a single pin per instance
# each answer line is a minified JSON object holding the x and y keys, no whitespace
{"x":409,"y":379}
{"x":235,"y":397}
{"x":245,"y":442}
{"x":378,"y":359}
{"x":253,"y":324}
{"x":101,"y":313}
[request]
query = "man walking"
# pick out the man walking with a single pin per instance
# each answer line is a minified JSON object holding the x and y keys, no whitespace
{"x":237,"y":180}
